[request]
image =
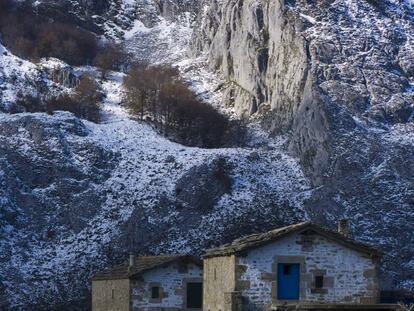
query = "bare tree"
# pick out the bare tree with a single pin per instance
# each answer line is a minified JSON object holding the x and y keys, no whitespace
{"x":158,"y":93}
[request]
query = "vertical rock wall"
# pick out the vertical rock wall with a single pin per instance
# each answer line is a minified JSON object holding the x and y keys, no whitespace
{"x":255,"y":45}
{"x":259,"y":48}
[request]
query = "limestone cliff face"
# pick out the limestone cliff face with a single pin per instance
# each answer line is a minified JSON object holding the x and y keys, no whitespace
{"x":260,"y":49}
{"x":256,"y":47}
{"x":299,"y":63}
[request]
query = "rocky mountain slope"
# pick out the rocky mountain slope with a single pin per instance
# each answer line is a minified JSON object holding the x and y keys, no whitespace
{"x":338,"y":77}
{"x":77,"y":196}
{"x":327,"y":86}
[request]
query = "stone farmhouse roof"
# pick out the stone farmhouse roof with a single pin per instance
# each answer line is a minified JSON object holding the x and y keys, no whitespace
{"x":252,"y":241}
{"x":141,"y":265}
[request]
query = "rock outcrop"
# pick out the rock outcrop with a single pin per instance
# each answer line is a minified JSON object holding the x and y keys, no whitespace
{"x":256,"y":47}
{"x":273,"y":55}
{"x":114,"y":18}
{"x":59,"y":73}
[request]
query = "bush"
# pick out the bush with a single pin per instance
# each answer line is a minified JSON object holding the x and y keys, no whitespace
{"x":158,"y":94}
{"x":5,"y":6}
{"x":88,"y":95}
{"x":26,"y":103}
{"x":64,"y":102}
{"x":222,"y":172}
{"x":84,"y":103}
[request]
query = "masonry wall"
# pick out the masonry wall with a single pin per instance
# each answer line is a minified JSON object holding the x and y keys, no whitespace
{"x":110,"y":295}
{"x":349,"y":276}
{"x":172,"y":281}
{"x":219,"y":283}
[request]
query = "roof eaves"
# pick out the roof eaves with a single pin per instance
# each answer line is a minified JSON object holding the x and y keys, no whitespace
{"x":143,"y":265}
{"x":163,"y":264}
{"x":256,"y":240}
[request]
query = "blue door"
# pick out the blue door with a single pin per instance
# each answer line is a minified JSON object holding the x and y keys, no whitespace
{"x":288,"y":280}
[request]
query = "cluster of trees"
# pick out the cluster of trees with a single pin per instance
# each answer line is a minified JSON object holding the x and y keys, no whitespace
{"x":157,"y":94}
{"x":33,"y":36}
{"x":84,"y":102}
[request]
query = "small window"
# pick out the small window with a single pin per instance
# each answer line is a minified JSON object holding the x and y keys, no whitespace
{"x":319,"y":281}
{"x":215,"y":274}
{"x":155,"y":292}
{"x":286,"y":269}
{"x":113,"y":294}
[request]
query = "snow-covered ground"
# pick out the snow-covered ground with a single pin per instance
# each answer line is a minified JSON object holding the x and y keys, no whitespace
{"x":165,"y":42}
{"x":17,"y":75}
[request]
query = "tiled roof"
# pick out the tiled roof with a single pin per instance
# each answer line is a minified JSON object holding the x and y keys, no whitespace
{"x":142,"y":264}
{"x":255,"y":240}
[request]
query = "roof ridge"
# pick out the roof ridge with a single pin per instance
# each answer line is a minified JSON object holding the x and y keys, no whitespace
{"x":258,"y":239}
{"x":161,"y":256}
{"x":276,"y":230}
{"x":141,"y":265}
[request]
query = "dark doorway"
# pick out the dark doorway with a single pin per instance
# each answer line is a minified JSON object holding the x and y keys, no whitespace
{"x":155,"y":292}
{"x":194,"y":295}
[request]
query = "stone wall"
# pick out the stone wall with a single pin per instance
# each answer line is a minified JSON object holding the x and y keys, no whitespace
{"x":110,"y":295}
{"x":219,"y":283}
{"x":349,"y":276}
{"x":172,"y":280}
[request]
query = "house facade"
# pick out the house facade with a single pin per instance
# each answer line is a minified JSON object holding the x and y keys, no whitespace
{"x":166,"y":283}
{"x":298,"y":265}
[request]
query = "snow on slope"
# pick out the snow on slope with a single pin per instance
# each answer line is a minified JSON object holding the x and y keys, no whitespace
{"x":143,"y":173}
{"x":164,"y":42}
{"x":19,"y":75}
{"x":16,"y":74}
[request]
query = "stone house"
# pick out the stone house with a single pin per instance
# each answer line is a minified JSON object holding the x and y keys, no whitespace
{"x":302,"y":266}
{"x":156,"y":283}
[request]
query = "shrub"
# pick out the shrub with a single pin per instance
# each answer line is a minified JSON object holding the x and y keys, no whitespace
{"x":5,"y":6}
{"x":84,"y":103}
{"x":26,"y":103}
{"x":63,"y":102}
{"x":222,"y":172}
{"x":88,"y":95}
